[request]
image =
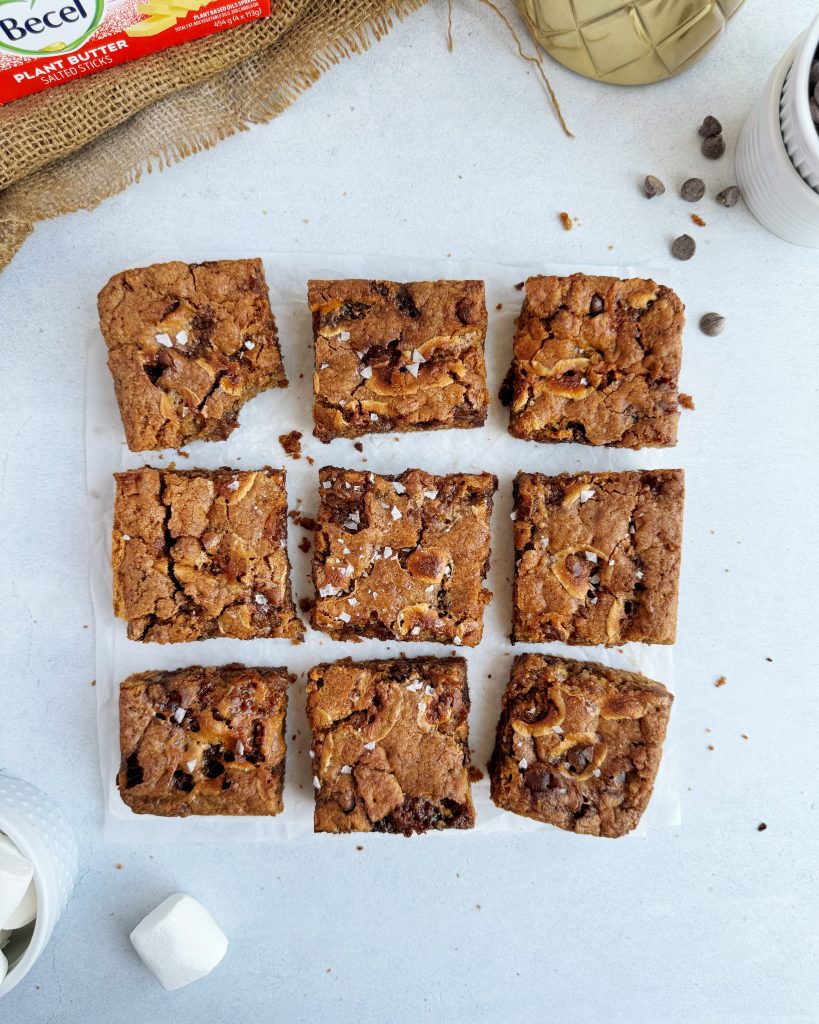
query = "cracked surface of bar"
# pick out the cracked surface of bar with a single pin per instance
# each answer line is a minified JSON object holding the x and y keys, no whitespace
{"x":397,"y":357}
{"x":199,"y":554}
{"x":390,"y":748}
{"x":578,"y":745}
{"x":203,"y":741}
{"x":596,"y":361}
{"x":403,"y":557}
{"x":188,"y":345}
{"x":597,"y":557}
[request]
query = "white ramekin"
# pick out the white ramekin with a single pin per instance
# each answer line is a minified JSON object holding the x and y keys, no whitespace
{"x":774,"y":191}
{"x":798,"y":130}
{"x":39,"y":830}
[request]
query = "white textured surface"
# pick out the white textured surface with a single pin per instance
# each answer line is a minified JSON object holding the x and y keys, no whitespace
{"x":179,"y":942}
{"x":415,"y":151}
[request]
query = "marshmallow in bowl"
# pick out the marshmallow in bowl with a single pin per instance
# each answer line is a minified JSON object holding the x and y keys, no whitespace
{"x":26,"y":910}
{"x":179,"y":941}
{"x":15,"y":877}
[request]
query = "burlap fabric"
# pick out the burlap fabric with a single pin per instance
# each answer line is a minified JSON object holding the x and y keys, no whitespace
{"x":71,"y":147}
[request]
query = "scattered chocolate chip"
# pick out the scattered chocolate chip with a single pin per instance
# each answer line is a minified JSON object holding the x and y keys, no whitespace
{"x":713,"y":147}
{"x":359,"y":447}
{"x":709,"y":127}
{"x":537,"y":778}
{"x":519,"y":286}
{"x":683,"y":248}
{"x":729,"y":196}
{"x":499,"y":306}
{"x":134,"y":773}
{"x":652,"y":186}
{"x":183,"y":781}
{"x":693,"y":190}
{"x":712,"y":324}
{"x":761,"y":826}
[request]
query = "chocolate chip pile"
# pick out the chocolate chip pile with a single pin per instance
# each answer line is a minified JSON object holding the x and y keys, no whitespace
{"x":713,"y":144}
{"x":813,"y":86}
{"x":693,"y":190}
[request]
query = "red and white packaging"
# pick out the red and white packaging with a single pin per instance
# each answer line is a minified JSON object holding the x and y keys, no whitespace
{"x":49,"y":42}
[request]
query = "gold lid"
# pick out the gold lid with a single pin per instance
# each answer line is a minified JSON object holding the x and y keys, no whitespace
{"x":627,"y":43}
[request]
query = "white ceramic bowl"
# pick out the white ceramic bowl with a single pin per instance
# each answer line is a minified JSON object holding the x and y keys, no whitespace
{"x":773,"y":189}
{"x":39,"y":830}
{"x":801,"y":135}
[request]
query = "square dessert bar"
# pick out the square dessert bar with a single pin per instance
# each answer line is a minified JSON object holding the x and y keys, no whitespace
{"x":203,"y":741}
{"x":397,"y":357}
{"x":597,"y":557}
{"x":390,"y":745}
{"x":200,"y":554}
{"x":578,"y":745}
{"x":188,"y":345}
{"x":402,"y":558}
{"x":596,"y":361}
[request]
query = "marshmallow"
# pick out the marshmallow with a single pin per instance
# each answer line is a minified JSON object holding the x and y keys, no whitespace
{"x":26,"y":909}
{"x":4,"y":967}
{"x":15,"y":875}
{"x":179,"y":941}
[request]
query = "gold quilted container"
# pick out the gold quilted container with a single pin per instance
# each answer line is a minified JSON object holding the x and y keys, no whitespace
{"x":627,"y":43}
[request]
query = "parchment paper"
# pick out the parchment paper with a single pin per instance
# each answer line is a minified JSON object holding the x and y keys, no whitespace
{"x":255,"y":443}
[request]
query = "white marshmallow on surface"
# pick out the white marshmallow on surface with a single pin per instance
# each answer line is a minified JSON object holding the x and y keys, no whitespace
{"x":26,"y":909}
{"x":179,"y":941}
{"x":15,"y":875}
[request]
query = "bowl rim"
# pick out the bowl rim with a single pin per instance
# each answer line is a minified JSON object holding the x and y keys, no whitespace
{"x":808,"y":53}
